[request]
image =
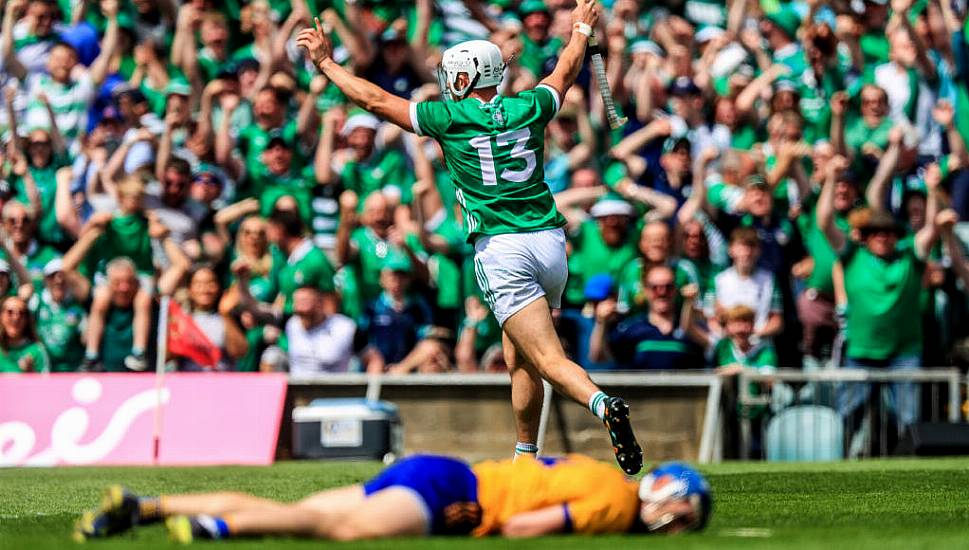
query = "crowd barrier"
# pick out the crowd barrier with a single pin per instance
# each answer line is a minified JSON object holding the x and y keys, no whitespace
{"x":833,"y":414}
{"x":677,"y":414}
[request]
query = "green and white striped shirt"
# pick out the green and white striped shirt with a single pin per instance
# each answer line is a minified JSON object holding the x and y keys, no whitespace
{"x":69,"y":102}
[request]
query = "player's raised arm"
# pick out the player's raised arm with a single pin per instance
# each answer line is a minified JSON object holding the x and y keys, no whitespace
{"x":584,"y":18}
{"x":365,"y":94}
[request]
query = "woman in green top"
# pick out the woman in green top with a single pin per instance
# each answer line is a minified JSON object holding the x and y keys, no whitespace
{"x":19,"y":349}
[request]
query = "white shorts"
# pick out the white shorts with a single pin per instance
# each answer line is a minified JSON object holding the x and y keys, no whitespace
{"x":515,"y":269}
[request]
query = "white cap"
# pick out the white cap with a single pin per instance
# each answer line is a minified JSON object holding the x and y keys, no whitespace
{"x":360,"y":120}
{"x":53,"y":266}
{"x":612,"y":207}
{"x":4,"y":266}
{"x":708,"y":33}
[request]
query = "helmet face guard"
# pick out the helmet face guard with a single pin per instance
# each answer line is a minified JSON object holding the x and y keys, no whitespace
{"x":480,"y":60}
{"x":670,"y":483}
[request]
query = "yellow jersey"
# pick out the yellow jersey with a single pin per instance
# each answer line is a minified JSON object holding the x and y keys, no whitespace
{"x":596,"y":497}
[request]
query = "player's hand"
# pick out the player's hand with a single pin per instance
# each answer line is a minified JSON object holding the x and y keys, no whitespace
{"x":586,"y":12}
{"x":315,"y":42}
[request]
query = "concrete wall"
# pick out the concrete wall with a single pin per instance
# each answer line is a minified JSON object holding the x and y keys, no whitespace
{"x":475,"y":420}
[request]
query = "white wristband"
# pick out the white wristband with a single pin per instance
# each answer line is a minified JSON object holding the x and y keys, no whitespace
{"x":582,"y":28}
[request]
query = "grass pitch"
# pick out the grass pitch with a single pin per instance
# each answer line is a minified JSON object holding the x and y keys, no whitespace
{"x":882,"y":504}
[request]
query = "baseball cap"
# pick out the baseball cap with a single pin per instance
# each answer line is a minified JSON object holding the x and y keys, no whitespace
{"x":398,"y":262}
{"x":786,"y":85}
{"x":178,"y":86}
{"x":642,"y":45}
{"x":360,"y":120}
{"x":612,"y":205}
{"x":707,"y":34}
{"x":207,"y":173}
{"x":683,"y":85}
{"x":53,"y":266}
{"x":598,"y":287}
{"x":532,"y":6}
{"x":673,"y":143}
{"x":4,"y":267}
{"x":787,"y":20}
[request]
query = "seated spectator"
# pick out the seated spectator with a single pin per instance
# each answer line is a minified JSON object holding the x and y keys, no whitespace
{"x":396,"y":323}
{"x":20,"y":350}
{"x":746,"y":284}
{"x":314,"y":341}
{"x":211,"y":313}
{"x":60,"y":317}
{"x":653,"y":340}
{"x":21,"y":245}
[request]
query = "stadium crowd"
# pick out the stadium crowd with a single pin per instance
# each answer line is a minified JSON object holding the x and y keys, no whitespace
{"x":788,"y":191}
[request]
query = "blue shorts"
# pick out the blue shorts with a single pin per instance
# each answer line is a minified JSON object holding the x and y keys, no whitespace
{"x":447,"y":487}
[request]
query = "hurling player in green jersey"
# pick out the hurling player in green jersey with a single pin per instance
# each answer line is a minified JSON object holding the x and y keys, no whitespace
{"x":494,"y":150}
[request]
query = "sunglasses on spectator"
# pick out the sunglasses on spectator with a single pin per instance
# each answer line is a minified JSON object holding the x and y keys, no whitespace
{"x":18,"y":220}
{"x":254,"y":232}
{"x":15,"y":311}
{"x":41,"y":143}
{"x":661,"y":287}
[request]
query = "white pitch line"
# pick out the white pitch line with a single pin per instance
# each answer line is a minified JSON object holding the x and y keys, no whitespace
{"x":748,"y":532}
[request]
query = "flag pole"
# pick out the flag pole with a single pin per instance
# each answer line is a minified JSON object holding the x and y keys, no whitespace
{"x":162,"y":351}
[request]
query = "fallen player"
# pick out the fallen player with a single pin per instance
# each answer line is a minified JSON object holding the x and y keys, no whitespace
{"x":433,"y":495}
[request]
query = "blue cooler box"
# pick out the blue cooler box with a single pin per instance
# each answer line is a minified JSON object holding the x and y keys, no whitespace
{"x":347,"y":429}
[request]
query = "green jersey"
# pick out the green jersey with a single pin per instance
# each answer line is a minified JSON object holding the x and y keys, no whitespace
{"x":495,"y":152}
{"x":883,"y":298}
{"x":10,"y":358}
{"x":59,"y":326}
{"x":306,"y":265}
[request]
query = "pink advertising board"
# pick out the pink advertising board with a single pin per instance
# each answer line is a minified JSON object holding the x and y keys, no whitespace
{"x":81,"y":419}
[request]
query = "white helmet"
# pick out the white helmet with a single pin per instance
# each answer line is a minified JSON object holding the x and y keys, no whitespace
{"x":479,"y":59}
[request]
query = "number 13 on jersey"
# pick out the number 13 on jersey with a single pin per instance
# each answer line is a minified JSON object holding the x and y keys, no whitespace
{"x":519,"y":140}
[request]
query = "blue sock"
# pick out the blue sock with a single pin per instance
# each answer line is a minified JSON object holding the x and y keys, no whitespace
{"x":597,"y":404}
{"x":213,"y":526}
{"x":525,"y":449}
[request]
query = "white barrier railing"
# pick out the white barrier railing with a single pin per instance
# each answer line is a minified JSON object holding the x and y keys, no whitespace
{"x":788,"y":388}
